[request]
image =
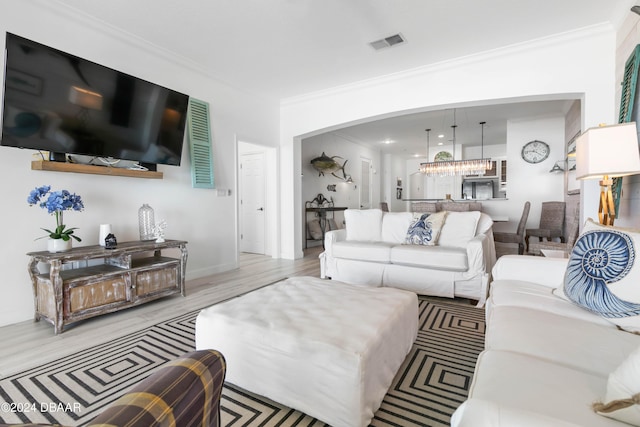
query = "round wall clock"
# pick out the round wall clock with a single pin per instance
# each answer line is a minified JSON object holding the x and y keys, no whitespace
{"x":535,"y":151}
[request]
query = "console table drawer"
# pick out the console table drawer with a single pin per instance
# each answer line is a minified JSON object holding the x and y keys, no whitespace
{"x":97,"y":293}
{"x":157,"y":280}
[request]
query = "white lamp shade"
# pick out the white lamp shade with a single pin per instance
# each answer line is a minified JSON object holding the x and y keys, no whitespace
{"x":608,"y":150}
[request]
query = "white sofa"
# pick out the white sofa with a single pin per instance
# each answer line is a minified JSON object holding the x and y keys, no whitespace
{"x":546,"y":360}
{"x":372,"y":250}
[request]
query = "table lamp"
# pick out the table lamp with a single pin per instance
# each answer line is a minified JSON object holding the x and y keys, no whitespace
{"x":606,"y":152}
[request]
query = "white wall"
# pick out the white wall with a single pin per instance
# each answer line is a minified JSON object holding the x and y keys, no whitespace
{"x":205,"y":220}
{"x":552,"y":68}
{"x":530,"y":182}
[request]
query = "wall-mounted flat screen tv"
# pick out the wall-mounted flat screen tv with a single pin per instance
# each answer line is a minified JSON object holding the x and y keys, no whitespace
{"x":60,"y":103}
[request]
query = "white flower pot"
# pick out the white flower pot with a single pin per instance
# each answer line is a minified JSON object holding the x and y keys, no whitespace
{"x":58,"y":245}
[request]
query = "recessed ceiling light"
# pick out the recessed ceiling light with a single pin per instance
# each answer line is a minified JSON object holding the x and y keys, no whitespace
{"x":440,"y":143}
{"x":388,"y":141}
{"x":441,"y":136}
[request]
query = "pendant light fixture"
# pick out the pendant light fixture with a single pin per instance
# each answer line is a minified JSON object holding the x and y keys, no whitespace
{"x":457,"y":167}
{"x":428,"y":132}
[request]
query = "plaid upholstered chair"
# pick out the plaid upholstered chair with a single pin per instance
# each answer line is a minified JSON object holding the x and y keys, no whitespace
{"x":185,"y":392}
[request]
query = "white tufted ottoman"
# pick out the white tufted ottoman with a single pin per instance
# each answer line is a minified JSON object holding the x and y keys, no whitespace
{"x":326,"y":348}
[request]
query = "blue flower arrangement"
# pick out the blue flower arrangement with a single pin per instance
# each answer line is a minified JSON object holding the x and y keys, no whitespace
{"x":56,"y":202}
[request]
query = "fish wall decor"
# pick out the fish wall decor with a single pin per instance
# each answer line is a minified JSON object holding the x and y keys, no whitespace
{"x":325,"y":164}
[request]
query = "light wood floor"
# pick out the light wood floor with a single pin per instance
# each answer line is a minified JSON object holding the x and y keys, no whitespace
{"x":29,"y":344}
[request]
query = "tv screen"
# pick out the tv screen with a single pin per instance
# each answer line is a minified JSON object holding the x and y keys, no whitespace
{"x":57,"y":102}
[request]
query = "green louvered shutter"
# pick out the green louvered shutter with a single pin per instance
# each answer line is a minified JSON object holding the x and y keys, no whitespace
{"x":627,"y":102}
{"x":629,"y":83}
{"x":200,"y":144}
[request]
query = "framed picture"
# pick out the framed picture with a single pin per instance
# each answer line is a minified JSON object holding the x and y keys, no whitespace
{"x":24,"y":82}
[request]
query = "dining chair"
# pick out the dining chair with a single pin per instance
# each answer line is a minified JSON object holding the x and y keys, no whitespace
{"x":536,"y":248}
{"x":518,"y":236}
{"x":551,"y":223}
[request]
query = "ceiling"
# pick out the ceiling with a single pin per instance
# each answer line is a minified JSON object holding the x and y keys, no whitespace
{"x":286,"y":48}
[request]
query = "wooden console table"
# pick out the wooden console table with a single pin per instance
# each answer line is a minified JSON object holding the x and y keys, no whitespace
{"x":110,"y":279}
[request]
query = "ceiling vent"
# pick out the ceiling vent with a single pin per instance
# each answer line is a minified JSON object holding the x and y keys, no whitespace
{"x":390,"y":41}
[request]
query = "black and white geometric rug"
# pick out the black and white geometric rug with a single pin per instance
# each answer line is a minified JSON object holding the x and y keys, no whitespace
{"x":431,"y":384}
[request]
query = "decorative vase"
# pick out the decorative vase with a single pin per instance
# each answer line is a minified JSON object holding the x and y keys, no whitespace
{"x":58,"y":245}
{"x":146,"y":222}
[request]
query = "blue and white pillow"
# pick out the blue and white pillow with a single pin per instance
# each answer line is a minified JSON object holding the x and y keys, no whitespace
{"x":603,"y":274}
{"x":425,"y":228}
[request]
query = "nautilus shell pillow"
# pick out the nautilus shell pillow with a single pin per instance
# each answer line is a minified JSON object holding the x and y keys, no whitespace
{"x":603,"y":274}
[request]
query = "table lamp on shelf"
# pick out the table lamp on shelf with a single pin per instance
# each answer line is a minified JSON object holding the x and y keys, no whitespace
{"x":606,"y":152}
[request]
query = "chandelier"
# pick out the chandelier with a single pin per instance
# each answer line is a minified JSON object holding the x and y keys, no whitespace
{"x":456,"y":167}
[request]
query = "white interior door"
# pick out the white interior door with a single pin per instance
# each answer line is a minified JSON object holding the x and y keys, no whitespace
{"x":252,"y":203}
{"x":366,"y":190}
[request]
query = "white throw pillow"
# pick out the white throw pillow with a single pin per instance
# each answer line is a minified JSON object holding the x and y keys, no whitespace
{"x":603,"y":274}
{"x":484,"y":223}
{"x":459,"y":228}
{"x":623,"y":384}
{"x":363,"y":225}
{"x":425,"y":228}
{"x":395,"y":226}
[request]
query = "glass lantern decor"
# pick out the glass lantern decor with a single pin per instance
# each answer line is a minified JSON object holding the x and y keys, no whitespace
{"x":146,"y":222}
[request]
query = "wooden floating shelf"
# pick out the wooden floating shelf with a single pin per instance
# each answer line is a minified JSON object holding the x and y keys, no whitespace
{"x":42,"y":165}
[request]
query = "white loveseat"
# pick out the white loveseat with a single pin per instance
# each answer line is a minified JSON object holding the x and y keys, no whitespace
{"x":546,"y":360}
{"x":372,"y":250}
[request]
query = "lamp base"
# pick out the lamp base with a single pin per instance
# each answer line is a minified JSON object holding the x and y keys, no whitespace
{"x":606,"y":209}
